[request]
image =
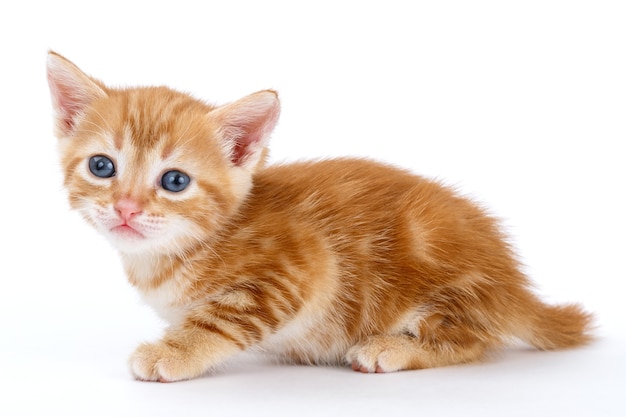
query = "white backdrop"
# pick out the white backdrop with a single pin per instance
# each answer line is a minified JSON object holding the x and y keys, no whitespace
{"x":520,"y":104}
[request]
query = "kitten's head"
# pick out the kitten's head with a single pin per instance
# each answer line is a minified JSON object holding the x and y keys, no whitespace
{"x":151,"y":168}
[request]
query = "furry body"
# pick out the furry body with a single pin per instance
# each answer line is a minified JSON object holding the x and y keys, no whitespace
{"x":336,"y":261}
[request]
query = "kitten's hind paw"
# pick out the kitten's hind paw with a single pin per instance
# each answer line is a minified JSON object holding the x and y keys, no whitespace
{"x":356,"y":366}
{"x":382,"y":354}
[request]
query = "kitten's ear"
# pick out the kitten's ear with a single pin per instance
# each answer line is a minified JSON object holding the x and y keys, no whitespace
{"x":71,"y":91}
{"x":245,"y":126}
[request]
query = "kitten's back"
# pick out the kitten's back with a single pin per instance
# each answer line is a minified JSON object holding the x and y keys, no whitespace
{"x":407,"y":241}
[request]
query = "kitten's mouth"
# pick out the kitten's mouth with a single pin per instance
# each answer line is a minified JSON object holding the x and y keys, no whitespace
{"x":126,"y":231}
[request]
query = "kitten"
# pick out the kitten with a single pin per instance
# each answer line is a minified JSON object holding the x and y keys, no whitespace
{"x":340,"y":261}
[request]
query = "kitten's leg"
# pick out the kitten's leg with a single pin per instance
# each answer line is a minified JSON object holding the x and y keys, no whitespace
{"x":184,"y":353}
{"x":464,"y":323}
{"x":433,"y":341}
{"x":210,"y":334}
{"x":390,"y":353}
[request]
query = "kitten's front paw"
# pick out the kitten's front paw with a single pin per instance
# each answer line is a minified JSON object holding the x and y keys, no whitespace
{"x":163,"y":363}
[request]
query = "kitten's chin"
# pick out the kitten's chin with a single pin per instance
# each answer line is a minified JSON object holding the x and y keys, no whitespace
{"x":145,"y":235}
{"x":127,"y":239}
{"x":132,"y":242}
{"x":126,"y":232}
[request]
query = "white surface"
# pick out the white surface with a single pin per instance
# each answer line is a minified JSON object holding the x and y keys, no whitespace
{"x":522,"y":106}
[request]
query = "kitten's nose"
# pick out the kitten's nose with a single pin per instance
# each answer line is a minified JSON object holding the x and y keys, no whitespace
{"x":127,"y":208}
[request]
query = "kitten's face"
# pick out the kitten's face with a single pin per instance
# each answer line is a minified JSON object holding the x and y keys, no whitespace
{"x":145,"y":173}
{"x":152,"y":169}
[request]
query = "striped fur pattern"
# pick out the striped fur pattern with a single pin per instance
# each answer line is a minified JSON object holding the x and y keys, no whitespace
{"x":341,"y":261}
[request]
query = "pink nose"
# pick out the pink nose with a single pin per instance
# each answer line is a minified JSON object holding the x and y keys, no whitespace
{"x":127,"y":208}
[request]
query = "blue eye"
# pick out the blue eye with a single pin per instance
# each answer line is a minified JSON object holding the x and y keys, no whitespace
{"x":175,"y":181}
{"x":101,"y":166}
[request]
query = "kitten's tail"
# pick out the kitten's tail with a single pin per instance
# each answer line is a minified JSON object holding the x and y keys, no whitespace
{"x":557,"y":327}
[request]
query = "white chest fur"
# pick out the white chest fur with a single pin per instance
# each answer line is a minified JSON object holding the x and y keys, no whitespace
{"x":168,"y":298}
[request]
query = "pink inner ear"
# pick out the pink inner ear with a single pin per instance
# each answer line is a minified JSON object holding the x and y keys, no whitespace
{"x":245,"y":145}
{"x":251,"y":120}
{"x":71,"y":91}
{"x":238,"y":153}
{"x":68,"y":105}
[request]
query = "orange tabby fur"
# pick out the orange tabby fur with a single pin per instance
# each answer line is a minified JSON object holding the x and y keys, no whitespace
{"x":336,"y":261}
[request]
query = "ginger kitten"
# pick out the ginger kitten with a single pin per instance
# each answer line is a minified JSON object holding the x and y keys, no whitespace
{"x":340,"y":261}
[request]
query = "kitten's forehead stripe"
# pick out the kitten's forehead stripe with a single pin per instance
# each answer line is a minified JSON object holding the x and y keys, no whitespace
{"x":166,"y":152}
{"x":118,"y":141}
{"x":154,"y":114}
